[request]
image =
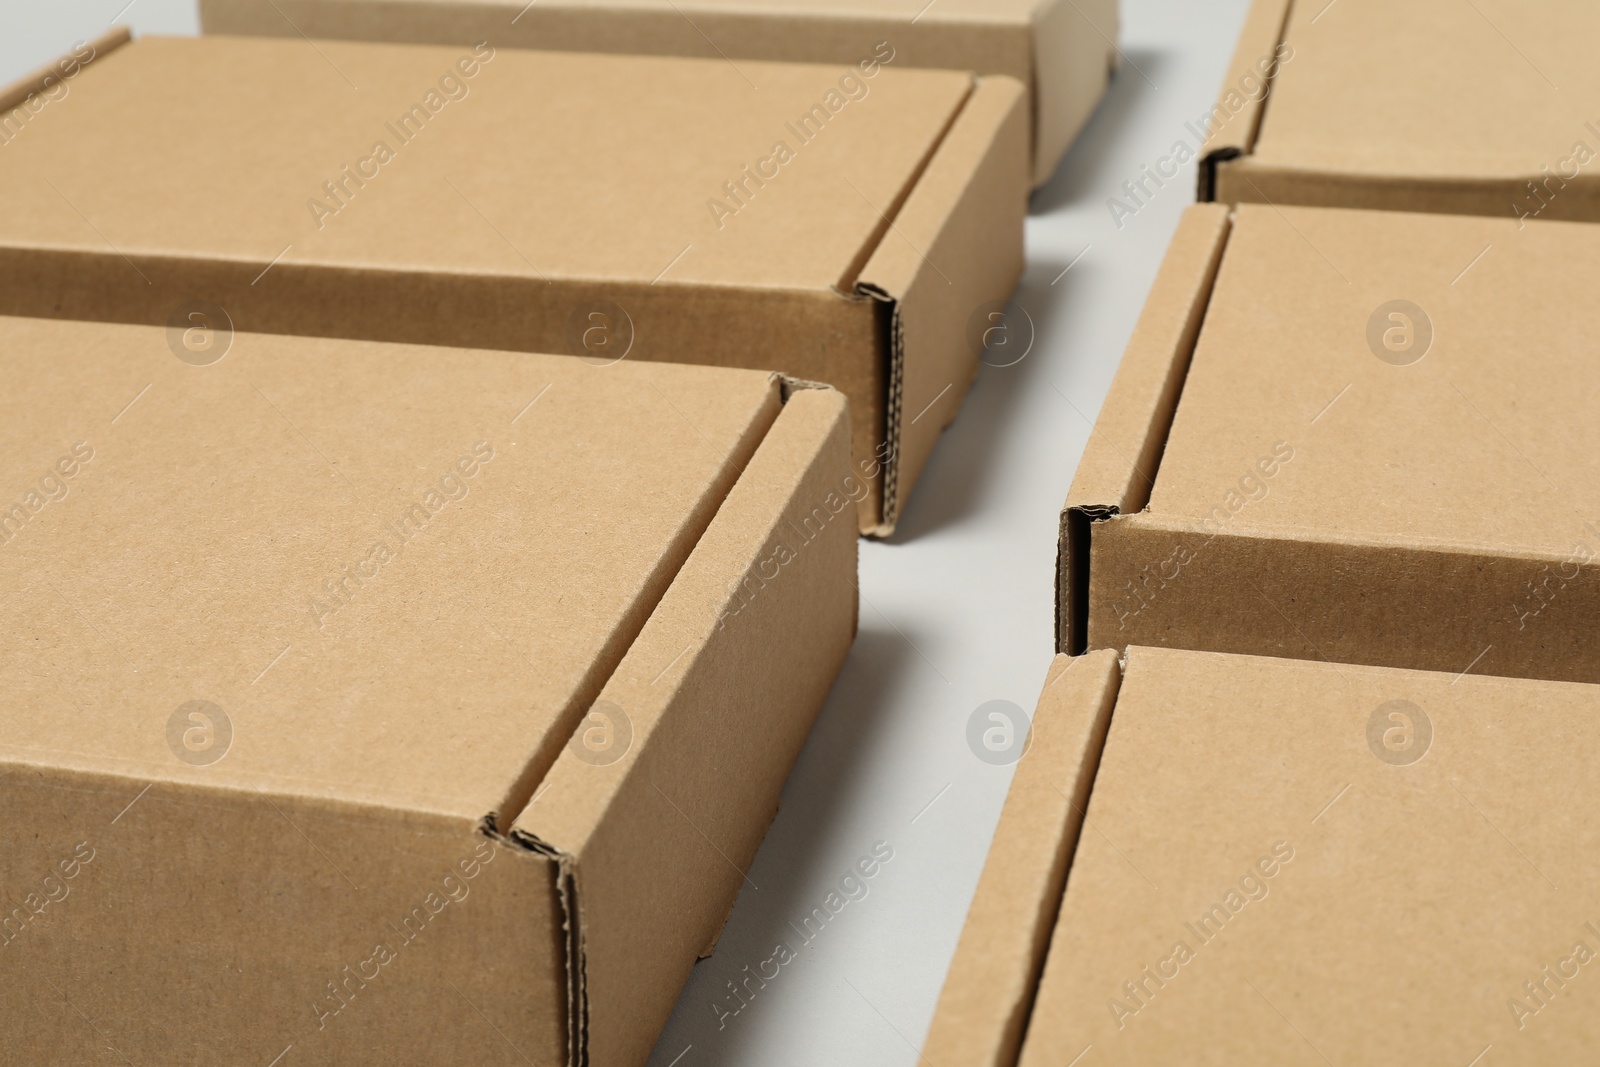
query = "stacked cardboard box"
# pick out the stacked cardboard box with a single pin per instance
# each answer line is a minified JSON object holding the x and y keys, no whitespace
{"x":851,"y":226}
{"x":380,"y":688}
{"x":1308,"y":783}
{"x":347,"y":678}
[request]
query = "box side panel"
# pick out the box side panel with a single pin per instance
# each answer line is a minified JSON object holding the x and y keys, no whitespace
{"x":1242,"y":101}
{"x":1395,"y":605}
{"x":988,"y":994}
{"x":1074,"y":56}
{"x":665,"y":793}
{"x":986,"y":45}
{"x":1248,"y":181}
{"x":175,"y":925}
{"x":1123,"y":454}
{"x":953,"y":254}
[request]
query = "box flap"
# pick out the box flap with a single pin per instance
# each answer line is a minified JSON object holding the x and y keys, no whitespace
{"x":385,"y":574}
{"x":952,"y":250}
{"x":1236,"y":119}
{"x":683,"y":808}
{"x":1432,"y":106}
{"x":988,"y":995}
{"x":1122,"y":455}
{"x":429,"y":209}
{"x":1357,"y":472}
{"x":1296,"y":861}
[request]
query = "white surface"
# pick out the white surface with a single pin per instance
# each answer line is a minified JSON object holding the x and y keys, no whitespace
{"x":956,"y":611}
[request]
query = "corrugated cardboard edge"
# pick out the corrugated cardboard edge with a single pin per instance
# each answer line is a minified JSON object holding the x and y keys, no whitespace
{"x":1074,"y":56}
{"x":1263,"y":32}
{"x":953,"y":249}
{"x":721,"y":689}
{"x":988,"y":994}
{"x":1120,"y":461}
{"x":15,"y":94}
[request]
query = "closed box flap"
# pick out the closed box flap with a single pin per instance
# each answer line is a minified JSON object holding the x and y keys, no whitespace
{"x":1487,"y":108}
{"x":1383,"y":451}
{"x":1283,"y":848}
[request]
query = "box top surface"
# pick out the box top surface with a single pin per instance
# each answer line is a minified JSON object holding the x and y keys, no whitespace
{"x":1487,"y":441}
{"x":1434,"y":88}
{"x":540,"y":165}
{"x":392,"y":571}
{"x":1008,"y":11}
{"x":1425,"y":886}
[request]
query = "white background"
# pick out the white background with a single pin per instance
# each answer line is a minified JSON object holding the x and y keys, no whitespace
{"x":956,"y":609}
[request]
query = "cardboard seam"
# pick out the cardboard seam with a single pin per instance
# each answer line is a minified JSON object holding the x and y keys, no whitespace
{"x":891,"y":337}
{"x":1075,"y":537}
{"x":1207,"y":171}
{"x":571,"y":927}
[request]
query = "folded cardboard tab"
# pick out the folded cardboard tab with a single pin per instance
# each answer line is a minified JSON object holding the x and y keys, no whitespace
{"x":390,"y":702}
{"x":1062,"y":50}
{"x":1373,"y":443}
{"x":988,"y":995}
{"x":1295,"y":863}
{"x":1430,"y":105}
{"x":843,"y":225}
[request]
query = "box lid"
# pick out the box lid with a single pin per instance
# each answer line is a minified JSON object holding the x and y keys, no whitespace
{"x":388,"y":575}
{"x":1311,"y":863}
{"x":1427,"y":106}
{"x":1381,"y":448}
{"x":1469,"y":426}
{"x":1063,"y":50}
{"x":623,"y":180}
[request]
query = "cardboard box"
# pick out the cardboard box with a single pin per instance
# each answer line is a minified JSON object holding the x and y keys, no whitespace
{"x":988,"y":995}
{"x":1485,"y":108}
{"x":1362,"y":437}
{"x":1064,"y":51}
{"x":1303,"y":863}
{"x":604,"y":206}
{"x":369,"y":704}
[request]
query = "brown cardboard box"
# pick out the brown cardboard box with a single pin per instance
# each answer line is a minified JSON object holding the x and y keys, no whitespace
{"x":371,"y":704}
{"x":1295,"y":863}
{"x":540,"y":201}
{"x":1364,"y":437}
{"x":988,"y":995}
{"x":1062,"y":50}
{"x":1482,"y":108}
